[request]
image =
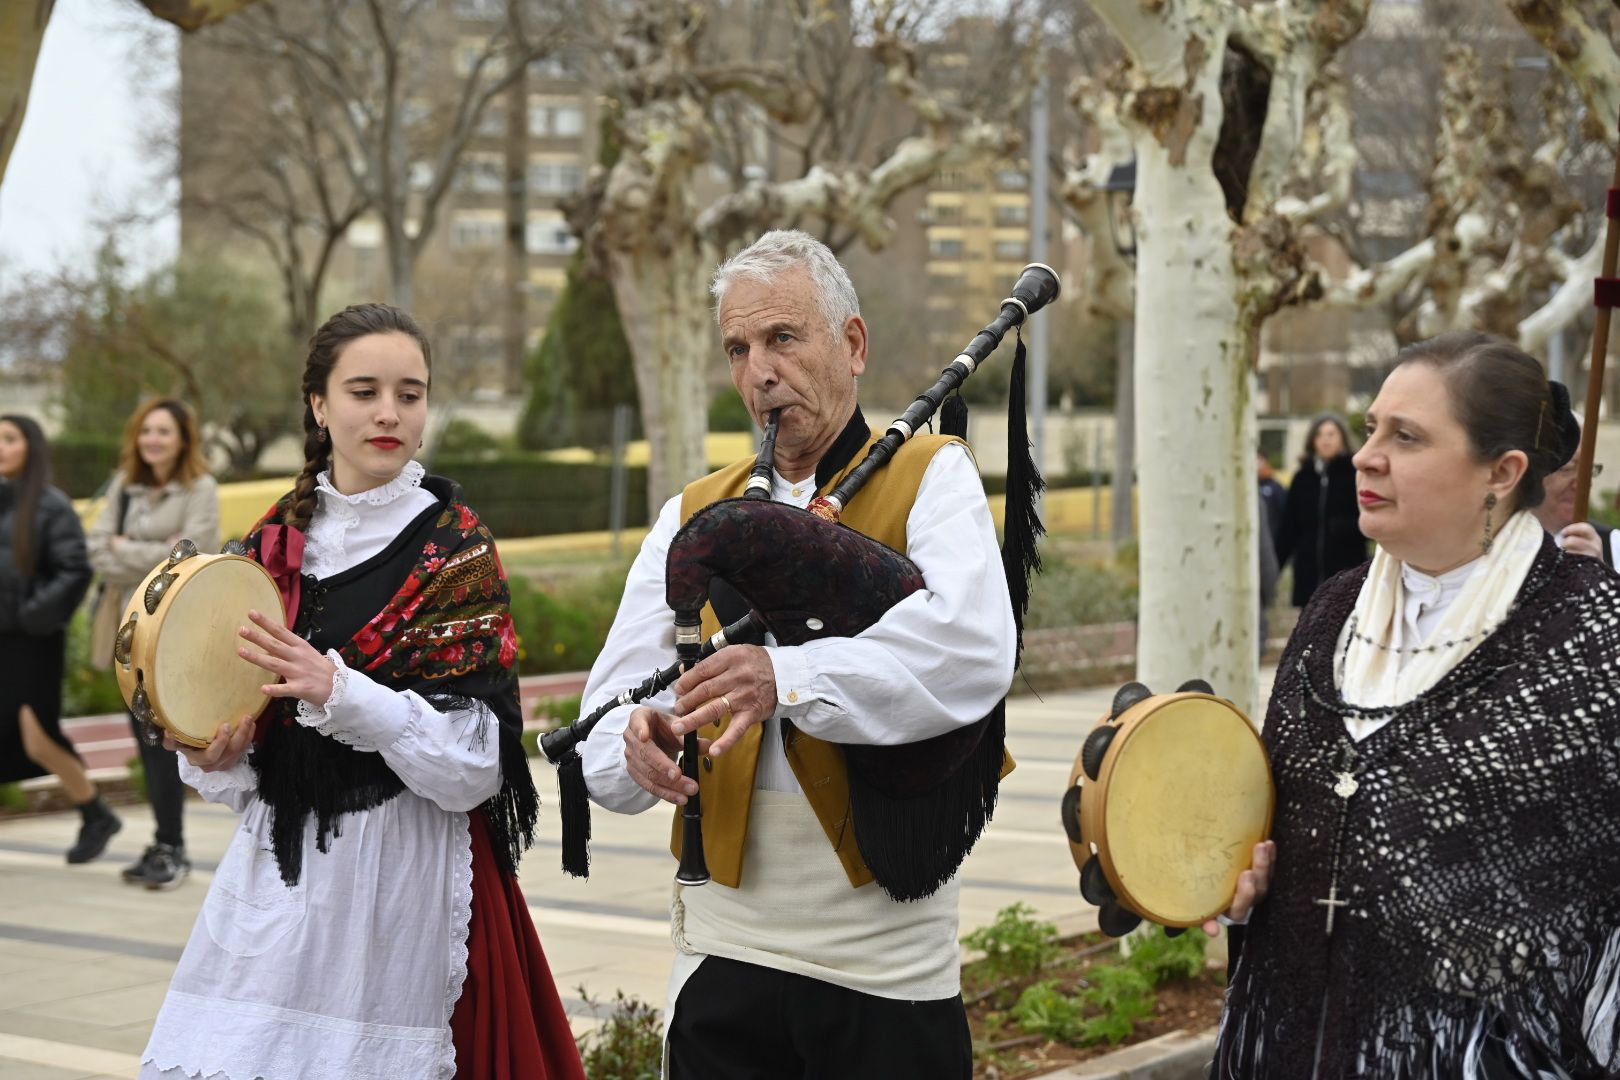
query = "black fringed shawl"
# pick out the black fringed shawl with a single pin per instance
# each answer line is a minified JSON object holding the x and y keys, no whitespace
{"x":444,"y":629}
{"x":1480,"y":856}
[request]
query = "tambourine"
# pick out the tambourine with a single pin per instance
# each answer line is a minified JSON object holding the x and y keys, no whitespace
{"x":175,"y":654}
{"x":1167,"y":799}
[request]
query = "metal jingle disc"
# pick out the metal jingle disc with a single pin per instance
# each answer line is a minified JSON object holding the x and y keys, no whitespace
{"x":1096,"y":748}
{"x":1130,"y":694}
{"x":1195,"y":686}
{"x":1071,"y":814}
{"x":1094,"y":885}
{"x":1116,"y":920}
{"x":1174,"y":931}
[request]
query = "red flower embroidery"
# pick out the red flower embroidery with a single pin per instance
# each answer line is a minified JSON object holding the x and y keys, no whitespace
{"x":509,"y":645}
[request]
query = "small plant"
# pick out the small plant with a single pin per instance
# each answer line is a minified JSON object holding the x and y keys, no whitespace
{"x":1016,"y":945}
{"x":1119,"y":996}
{"x":1163,"y":959}
{"x":629,"y":1043}
{"x":1044,"y":1009}
{"x":13,"y":797}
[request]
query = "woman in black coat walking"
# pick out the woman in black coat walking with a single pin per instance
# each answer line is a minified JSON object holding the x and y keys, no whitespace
{"x":1320,"y":529}
{"x":44,"y":573}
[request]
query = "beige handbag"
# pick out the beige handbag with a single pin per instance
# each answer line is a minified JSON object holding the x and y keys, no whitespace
{"x":108,"y":612}
{"x":104,"y":622}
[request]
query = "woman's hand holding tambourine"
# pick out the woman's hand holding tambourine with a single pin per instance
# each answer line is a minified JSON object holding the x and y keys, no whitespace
{"x":1252,"y":886}
{"x":305,"y":673}
{"x":229,"y":745}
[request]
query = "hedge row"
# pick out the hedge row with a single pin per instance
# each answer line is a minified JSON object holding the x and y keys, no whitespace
{"x":528,"y":495}
{"x":80,"y":464}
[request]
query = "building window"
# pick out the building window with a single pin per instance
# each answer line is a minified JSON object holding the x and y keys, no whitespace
{"x":550,"y":236}
{"x":475,"y":233}
{"x":555,"y":177}
{"x":1012,"y":179}
{"x":945,"y":249}
{"x":480,"y":10}
{"x":492,"y":121}
{"x":945,"y":214}
{"x":482,"y":174}
{"x":553,"y":67}
{"x":1011,"y":250}
{"x":1007,"y":216}
{"x":556,"y":120}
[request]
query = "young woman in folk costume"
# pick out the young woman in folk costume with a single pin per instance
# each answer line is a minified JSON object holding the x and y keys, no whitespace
{"x":366,"y":921}
{"x":1444,"y":869}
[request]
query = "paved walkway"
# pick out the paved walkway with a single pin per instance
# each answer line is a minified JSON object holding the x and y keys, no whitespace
{"x":85,"y":959}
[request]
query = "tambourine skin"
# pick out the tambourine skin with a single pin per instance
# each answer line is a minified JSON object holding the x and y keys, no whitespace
{"x":175,"y":656}
{"x":1182,"y":794}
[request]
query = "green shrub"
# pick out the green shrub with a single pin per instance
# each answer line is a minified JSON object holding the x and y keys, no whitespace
{"x":81,"y":462}
{"x":728,"y":413}
{"x":1119,"y":997}
{"x":556,"y":711}
{"x":463,"y":438}
{"x":629,"y":1044}
{"x":1044,"y":1009}
{"x":87,"y":689}
{"x":1163,"y":959}
{"x":523,"y":494}
{"x":1070,"y":593}
{"x":1016,"y":945}
{"x":13,"y":797}
{"x":562,"y":628}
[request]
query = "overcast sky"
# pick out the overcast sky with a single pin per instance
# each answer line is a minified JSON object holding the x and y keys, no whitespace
{"x":103,"y":76}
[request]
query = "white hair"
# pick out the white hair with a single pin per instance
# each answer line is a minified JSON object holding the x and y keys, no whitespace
{"x":784,"y":250}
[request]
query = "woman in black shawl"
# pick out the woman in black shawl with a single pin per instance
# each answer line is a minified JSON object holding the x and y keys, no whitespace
{"x":1445,"y":895}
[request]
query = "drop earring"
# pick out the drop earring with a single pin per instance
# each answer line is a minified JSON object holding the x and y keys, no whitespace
{"x":1490,"y":504}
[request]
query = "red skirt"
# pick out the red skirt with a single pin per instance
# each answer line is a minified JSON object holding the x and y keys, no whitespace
{"x":509,"y":1023}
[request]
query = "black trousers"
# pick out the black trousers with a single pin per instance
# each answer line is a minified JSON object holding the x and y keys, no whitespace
{"x":736,"y":1021}
{"x":164,"y":789}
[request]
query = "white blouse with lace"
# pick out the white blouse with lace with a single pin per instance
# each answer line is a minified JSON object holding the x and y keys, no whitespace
{"x":353,"y":973}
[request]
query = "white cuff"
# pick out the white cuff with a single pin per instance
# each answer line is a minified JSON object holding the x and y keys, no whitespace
{"x":793,"y":694}
{"x":360,"y":712}
{"x":210,"y":785}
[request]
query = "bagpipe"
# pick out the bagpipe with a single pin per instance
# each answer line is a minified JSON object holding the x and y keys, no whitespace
{"x":917,"y":808}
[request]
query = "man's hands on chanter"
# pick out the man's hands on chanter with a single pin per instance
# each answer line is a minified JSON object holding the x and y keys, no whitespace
{"x":736,"y":687}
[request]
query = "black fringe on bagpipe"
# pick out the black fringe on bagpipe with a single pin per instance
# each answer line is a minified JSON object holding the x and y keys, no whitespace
{"x":915,"y":845}
{"x":574,"y":802}
{"x":1021,"y":524}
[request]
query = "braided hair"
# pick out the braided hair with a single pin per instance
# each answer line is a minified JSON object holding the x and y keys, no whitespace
{"x":325,"y":349}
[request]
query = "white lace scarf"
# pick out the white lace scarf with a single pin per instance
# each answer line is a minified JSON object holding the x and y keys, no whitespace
{"x":1370,"y":671}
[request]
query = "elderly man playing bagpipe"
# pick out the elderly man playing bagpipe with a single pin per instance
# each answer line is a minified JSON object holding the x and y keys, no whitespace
{"x":826,"y":944}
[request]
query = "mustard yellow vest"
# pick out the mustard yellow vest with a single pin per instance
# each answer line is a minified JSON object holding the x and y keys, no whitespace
{"x":880,"y":511}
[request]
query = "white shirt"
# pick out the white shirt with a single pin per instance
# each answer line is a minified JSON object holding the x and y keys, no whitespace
{"x":354,"y":972}
{"x":938,"y":660}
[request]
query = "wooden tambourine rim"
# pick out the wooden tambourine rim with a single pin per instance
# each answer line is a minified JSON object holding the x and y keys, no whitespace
{"x":1094,"y":821}
{"x":143,"y":640}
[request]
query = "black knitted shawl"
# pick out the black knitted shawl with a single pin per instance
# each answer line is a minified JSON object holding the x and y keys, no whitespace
{"x":446,"y":633}
{"x":1479,"y":855}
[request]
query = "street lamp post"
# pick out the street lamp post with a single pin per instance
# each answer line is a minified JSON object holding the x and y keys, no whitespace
{"x":1120,"y":188}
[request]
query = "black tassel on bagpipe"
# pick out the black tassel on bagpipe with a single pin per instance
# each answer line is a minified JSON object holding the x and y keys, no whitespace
{"x":1022,"y":527}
